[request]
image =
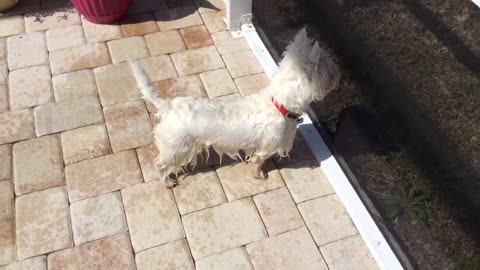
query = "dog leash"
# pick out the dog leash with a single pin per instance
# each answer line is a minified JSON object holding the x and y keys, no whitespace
{"x":297,"y":117}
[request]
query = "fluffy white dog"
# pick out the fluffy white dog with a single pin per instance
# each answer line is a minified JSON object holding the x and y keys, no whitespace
{"x":260,"y":125}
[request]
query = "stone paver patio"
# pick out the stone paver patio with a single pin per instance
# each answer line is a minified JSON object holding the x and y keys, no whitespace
{"x":77,"y":187}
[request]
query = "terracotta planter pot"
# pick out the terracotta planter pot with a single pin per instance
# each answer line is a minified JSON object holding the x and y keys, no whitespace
{"x":7,"y":4}
{"x":102,"y":11}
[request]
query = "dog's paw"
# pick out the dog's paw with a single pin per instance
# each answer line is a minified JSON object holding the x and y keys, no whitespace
{"x":261,"y":175}
{"x":169,"y":183}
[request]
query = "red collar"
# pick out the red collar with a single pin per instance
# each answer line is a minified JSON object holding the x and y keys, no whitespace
{"x":285,"y":112}
{"x":280,"y":107}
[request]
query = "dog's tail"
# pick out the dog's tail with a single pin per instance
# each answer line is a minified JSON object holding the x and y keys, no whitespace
{"x":144,"y":84}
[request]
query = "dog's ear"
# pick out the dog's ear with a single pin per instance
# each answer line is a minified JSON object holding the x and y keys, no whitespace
{"x":301,"y":37}
{"x":302,"y":44}
{"x":314,"y":56}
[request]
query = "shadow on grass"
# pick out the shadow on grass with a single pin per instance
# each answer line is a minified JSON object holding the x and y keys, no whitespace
{"x":446,"y":36}
{"x":450,"y":174}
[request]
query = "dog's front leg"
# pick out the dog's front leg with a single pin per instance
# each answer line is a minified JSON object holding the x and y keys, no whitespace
{"x":258,"y":172}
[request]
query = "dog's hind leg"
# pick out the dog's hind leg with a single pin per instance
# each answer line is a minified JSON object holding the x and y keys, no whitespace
{"x":257,"y":163}
{"x":165,"y":175}
{"x":170,"y":183}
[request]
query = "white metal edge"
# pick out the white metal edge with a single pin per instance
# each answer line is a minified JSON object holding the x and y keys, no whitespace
{"x":376,"y":243}
{"x":476,"y":2}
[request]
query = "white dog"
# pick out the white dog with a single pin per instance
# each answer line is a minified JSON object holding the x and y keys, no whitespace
{"x":260,"y":125}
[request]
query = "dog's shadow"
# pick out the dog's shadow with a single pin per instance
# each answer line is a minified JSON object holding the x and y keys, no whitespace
{"x":299,"y":157}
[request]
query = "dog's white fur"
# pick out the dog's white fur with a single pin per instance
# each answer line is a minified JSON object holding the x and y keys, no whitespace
{"x":190,"y":125}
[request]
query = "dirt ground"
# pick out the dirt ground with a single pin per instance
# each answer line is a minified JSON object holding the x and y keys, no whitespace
{"x":405,"y":117}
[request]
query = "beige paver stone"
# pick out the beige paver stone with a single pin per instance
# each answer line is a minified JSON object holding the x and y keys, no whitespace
{"x":348,"y":253}
{"x":223,"y":227}
{"x":151,"y":215}
{"x":74,"y":84}
{"x":4,"y":98}
{"x":121,"y":49}
{"x":144,"y":6}
{"x":116,"y":84}
{"x":175,"y":255}
{"x":242,"y":64}
{"x":158,"y":67}
{"x":27,"y":50}
{"x":101,"y":175}
{"x":146,"y":155}
{"x":113,"y":252}
{"x":196,"y":36}
{"x":233,"y":259}
{"x":83,"y":57}
{"x":35,"y":263}
{"x":16,"y":126}
{"x":6,"y":200}
{"x":46,"y":20}
{"x":11,"y":25}
{"x":198,"y":191}
{"x":97,"y":217}
{"x":290,"y":250}
{"x":7,"y":227}
{"x":278,"y":211}
{"x":209,"y":5}
{"x":327,"y":219}
{"x":214,"y":21}
{"x":3,"y":48}
{"x":175,"y":18}
{"x":100,"y":32}
{"x":128,"y":125}
{"x":196,"y":61}
{"x":67,"y":114}
{"x":226,"y":44}
{"x":238,"y":181}
{"x":165,"y":42}
{"x":85,"y":143}
{"x":3,"y":72}
{"x":181,"y":86}
{"x":6,"y":164}
{"x":42,"y":222}
{"x":65,"y":37}
{"x":30,"y":87}
{"x":252,"y":84}
{"x":37,"y":164}
{"x":139,"y":25}
{"x":7,"y":240}
{"x":218,"y":82}
{"x":306,"y":180}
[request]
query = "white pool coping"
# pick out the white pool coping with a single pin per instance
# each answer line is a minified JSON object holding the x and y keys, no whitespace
{"x":476,"y":2}
{"x":375,"y":241}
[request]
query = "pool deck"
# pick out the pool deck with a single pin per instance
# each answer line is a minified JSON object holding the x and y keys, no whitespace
{"x":77,"y":185}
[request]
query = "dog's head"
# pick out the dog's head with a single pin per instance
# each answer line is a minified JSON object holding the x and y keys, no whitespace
{"x":306,"y":73}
